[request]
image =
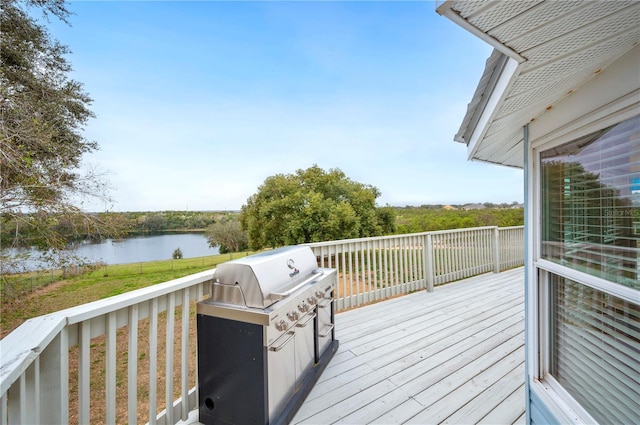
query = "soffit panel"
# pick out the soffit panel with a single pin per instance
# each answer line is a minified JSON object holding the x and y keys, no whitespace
{"x":535,"y":99}
{"x":499,"y":125}
{"x":500,"y":12}
{"x":548,"y":27}
{"x":516,"y":156}
{"x":469,"y":8}
{"x":594,"y":58}
{"x":499,"y":149}
{"x":587,"y":38}
{"x":521,"y":27}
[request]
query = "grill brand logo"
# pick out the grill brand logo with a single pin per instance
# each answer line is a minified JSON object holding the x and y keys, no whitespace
{"x":292,"y":265}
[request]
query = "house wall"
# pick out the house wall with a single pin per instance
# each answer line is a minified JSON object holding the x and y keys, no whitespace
{"x":610,"y":97}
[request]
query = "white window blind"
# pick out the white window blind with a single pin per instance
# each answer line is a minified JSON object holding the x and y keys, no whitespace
{"x":591,"y":204}
{"x":595,"y":351}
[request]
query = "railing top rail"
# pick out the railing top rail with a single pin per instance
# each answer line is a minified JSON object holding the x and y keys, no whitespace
{"x":97,"y":308}
{"x":433,"y":232}
{"x":510,"y":227}
{"x":464,"y":229}
{"x":356,"y":240}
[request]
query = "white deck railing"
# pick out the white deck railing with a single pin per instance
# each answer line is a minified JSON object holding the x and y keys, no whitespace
{"x":376,"y":268}
{"x":102,"y":341}
{"x":126,"y":358}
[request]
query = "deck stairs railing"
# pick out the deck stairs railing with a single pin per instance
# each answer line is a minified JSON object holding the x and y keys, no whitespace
{"x":131,"y":358}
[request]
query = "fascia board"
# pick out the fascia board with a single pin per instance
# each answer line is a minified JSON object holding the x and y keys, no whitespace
{"x":496,"y":98}
{"x":445,"y":9}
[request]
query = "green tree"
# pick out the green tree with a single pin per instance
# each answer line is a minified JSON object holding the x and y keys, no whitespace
{"x":154,"y":222}
{"x":387,"y":219}
{"x":312,"y":205}
{"x":42,"y":115}
{"x":228,"y":235}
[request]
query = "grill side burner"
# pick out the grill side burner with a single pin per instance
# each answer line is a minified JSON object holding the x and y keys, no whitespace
{"x":264,"y":337}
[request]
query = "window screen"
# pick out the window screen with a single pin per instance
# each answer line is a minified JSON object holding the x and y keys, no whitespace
{"x":591,"y":203}
{"x":595,"y":351}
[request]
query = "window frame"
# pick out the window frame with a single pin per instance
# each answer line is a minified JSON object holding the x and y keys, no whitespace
{"x":547,"y":388}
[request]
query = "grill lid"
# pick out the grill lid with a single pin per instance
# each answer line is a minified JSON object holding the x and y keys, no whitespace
{"x":262,"y":279}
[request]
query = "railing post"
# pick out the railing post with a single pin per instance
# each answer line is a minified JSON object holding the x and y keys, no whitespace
{"x":54,"y":379}
{"x":428,"y":262}
{"x":496,"y":250}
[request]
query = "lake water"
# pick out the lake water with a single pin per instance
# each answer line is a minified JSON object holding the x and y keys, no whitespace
{"x":145,"y":248}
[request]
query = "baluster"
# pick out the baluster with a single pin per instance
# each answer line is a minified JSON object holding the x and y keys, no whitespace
{"x":356,"y":274}
{"x":169,"y":341}
{"x":153,"y":361}
{"x":132,"y":365}
{"x":184,"y":359}
{"x":111,"y":369}
{"x":84,"y":372}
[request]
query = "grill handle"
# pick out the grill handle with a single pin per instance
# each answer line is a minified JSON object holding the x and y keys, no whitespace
{"x":327,"y":302}
{"x":326,"y":331}
{"x":283,"y":343}
{"x":282,"y":295}
{"x":302,"y":325}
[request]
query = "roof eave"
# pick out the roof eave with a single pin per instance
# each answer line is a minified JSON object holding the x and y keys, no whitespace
{"x":500,"y":72}
{"x":480,"y":116}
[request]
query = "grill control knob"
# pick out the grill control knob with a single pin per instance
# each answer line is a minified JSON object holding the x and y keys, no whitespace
{"x":293,"y":315}
{"x":312,"y":300}
{"x":320,"y":294}
{"x":281,"y":325}
{"x":304,"y":307}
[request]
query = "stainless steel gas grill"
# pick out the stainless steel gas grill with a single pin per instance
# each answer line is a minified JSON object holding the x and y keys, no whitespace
{"x":264,"y":337}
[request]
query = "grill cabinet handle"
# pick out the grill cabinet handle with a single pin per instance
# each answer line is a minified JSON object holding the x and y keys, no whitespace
{"x":325,"y":304}
{"x":285,"y":342}
{"x":302,"y":325}
{"x":327,"y":332}
{"x":283,"y":295}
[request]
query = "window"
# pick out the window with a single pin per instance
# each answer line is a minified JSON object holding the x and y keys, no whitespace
{"x":595,"y":350}
{"x":590,"y":223}
{"x":591,"y":204}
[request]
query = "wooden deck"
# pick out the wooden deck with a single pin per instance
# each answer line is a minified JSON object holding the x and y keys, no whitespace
{"x":455,"y":355}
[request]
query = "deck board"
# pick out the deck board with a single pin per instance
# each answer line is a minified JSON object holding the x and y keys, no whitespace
{"x":455,"y":355}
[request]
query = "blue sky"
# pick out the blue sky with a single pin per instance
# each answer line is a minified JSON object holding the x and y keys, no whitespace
{"x":197,"y":103}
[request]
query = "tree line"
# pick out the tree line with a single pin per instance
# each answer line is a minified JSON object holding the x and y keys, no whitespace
{"x":427,"y":218}
{"x":20,"y":230}
{"x":408,"y":219}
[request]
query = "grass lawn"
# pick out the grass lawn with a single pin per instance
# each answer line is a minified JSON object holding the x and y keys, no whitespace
{"x":102,"y":282}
